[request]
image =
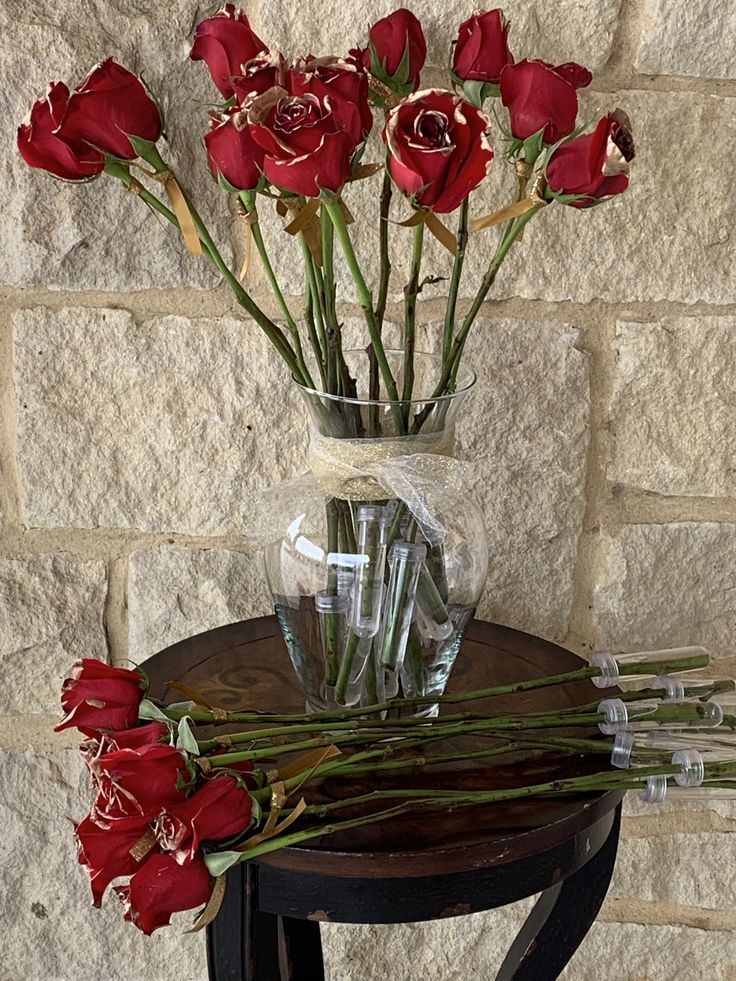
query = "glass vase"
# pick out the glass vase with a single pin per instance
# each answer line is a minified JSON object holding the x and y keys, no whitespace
{"x":382,"y":555}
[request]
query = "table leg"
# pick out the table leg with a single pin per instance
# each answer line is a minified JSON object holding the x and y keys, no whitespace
{"x":562,"y":917}
{"x":245,"y":944}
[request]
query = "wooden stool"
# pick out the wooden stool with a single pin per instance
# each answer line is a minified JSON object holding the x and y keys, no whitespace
{"x":419,"y":866}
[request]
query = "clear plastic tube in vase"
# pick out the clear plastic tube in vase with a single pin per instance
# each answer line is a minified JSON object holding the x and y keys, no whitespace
{"x":405,"y":561}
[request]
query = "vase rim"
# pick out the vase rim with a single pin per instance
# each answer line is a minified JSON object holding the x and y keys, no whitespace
{"x":466,"y":380}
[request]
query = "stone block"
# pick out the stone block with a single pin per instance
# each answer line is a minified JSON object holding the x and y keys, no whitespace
{"x":51,"y":613}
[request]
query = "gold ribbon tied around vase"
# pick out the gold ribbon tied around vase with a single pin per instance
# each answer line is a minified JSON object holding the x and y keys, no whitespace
{"x":418,"y":470}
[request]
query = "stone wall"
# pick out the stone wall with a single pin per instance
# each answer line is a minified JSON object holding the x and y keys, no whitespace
{"x":140,"y":422}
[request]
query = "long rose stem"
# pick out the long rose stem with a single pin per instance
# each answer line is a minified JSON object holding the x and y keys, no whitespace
{"x":457,"y":270}
{"x":365,"y":299}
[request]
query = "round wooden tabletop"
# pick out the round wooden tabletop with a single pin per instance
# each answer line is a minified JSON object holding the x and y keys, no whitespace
{"x":246,"y":665}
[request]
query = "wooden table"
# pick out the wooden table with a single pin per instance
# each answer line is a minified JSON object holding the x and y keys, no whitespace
{"x":417,"y":867}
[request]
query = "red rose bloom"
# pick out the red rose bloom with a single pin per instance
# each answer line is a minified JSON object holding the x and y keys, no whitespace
{"x":594,"y":166}
{"x":339,"y":81}
{"x":110,"y":105}
{"x":217,"y":810}
{"x":162,"y":887}
{"x":439,"y":149}
{"x":41,"y":146}
{"x":541,"y":97}
{"x":137,"y":782}
{"x":232,"y":151}
{"x":394,"y":41}
{"x":106,"y":853}
{"x":481,"y":51}
{"x":96,"y":696}
{"x":258,"y":75}
{"x":226,"y":42}
{"x":309,"y":139}
{"x":109,"y":742}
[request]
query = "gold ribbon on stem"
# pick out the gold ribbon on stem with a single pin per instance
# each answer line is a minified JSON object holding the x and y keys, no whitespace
{"x":423,"y":216}
{"x":535,"y":200}
{"x":365,"y":170}
{"x":249,"y":218}
{"x":213,"y":906}
{"x":302,"y":216}
{"x":181,"y":210}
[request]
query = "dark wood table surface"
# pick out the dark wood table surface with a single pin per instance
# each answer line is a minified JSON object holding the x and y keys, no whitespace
{"x":416,"y":867}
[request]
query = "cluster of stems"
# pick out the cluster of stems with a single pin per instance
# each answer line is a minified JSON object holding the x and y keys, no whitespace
{"x":369,"y":743}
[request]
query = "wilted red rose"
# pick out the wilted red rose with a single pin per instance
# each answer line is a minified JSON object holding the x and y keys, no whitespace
{"x":96,"y":696}
{"x":232,"y":151}
{"x":439,"y":148}
{"x":41,"y":146}
{"x":137,"y":782}
{"x":162,"y":887}
{"x":226,"y":42}
{"x":309,"y":139}
{"x":110,"y":105}
{"x":594,"y":166}
{"x":482,"y":51}
{"x":542,"y":97}
{"x":258,"y":75}
{"x":339,"y":81}
{"x":108,"y":742}
{"x":219,"y":809}
{"x":106,"y":853}
{"x":397,"y":50}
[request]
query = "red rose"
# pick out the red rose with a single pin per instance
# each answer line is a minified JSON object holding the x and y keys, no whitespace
{"x":226,"y":42}
{"x":96,"y":696}
{"x":439,"y":148}
{"x":397,"y":51}
{"x":219,"y":809}
{"x":162,"y":887}
{"x":309,"y":140}
{"x":481,"y":51}
{"x":137,"y":782}
{"x":41,"y":146}
{"x":232,"y":151}
{"x":594,"y":166}
{"x":110,"y":105}
{"x":109,"y":742}
{"x":258,"y":75}
{"x":106,"y":853}
{"x":541,"y":97}
{"x":339,"y":81}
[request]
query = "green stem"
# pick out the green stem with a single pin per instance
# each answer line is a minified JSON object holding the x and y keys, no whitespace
{"x":248,"y":200}
{"x":450,"y":368}
{"x":313,"y":287}
{"x":457,"y":270}
{"x":365,"y":299}
{"x":411,"y":291}
{"x":384,"y":276}
{"x":272,"y":331}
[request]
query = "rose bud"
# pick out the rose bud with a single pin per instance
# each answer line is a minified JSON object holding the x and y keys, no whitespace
{"x":481,"y":51}
{"x":439,"y":148}
{"x":594,"y":166}
{"x":110,"y":105}
{"x":232,"y":153}
{"x":309,"y":141}
{"x":540,"y":97}
{"x":397,"y":51}
{"x":96,"y":696}
{"x":162,"y":887}
{"x":339,"y":81}
{"x":137,"y":782}
{"x":258,"y":75}
{"x":106,"y":853}
{"x":41,"y":146}
{"x":219,"y":809}
{"x":225,"y":42}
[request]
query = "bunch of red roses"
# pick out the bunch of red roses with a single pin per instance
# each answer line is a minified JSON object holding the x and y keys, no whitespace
{"x":299,"y":126}
{"x":152,"y":810}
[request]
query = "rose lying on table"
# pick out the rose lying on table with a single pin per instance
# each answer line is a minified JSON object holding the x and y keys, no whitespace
{"x":171,"y":811}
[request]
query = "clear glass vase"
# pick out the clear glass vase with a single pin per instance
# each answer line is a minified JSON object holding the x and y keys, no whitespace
{"x":383,"y":556}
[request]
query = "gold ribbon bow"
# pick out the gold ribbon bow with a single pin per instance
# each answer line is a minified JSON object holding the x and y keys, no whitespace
{"x":535,"y":200}
{"x":423,"y":216}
